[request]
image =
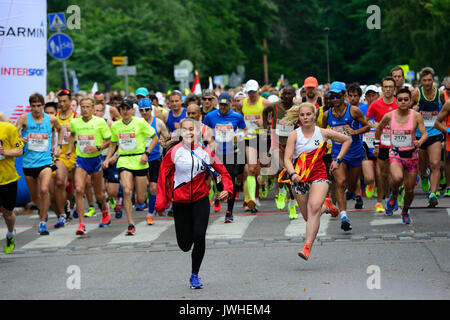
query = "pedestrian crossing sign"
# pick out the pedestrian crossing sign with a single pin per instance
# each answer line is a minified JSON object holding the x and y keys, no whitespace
{"x":57,"y":21}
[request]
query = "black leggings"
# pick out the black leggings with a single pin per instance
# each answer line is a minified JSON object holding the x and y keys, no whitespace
{"x":191,"y":221}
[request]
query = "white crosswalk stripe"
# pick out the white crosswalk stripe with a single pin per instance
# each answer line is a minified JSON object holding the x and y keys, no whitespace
{"x":385,"y":221}
{"x":220,"y":230}
{"x":18,"y":230}
{"x":144,"y":233}
{"x":59,"y":237}
{"x":297,"y":227}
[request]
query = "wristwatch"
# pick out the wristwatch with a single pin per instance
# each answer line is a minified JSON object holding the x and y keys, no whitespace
{"x":291,"y":175}
{"x":98,"y":148}
{"x":338,"y":160}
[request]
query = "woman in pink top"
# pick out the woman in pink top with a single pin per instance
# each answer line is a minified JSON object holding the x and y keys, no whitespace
{"x":403,"y":158}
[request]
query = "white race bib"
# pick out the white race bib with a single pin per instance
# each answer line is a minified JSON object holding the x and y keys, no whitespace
{"x":127,"y":141}
{"x":283,"y":130}
{"x":369,"y":139}
{"x":340,"y":129}
{"x":252,"y":122}
{"x":84,"y":141}
{"x":38,"y":142}
{"x":67,"y":134}
{"x":401,"y":138}
{"x":429,"y":117}
{"x":224,"y":133}
{"x":386,"y":137}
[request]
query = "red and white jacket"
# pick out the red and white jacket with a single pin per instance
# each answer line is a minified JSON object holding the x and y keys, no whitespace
{"x":182,"y":176}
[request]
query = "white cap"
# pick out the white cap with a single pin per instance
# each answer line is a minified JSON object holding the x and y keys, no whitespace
{"x":251,"y":85}
{"x":240,"y":94}
{"x":273,"y":98}
{"x":372,"y":88}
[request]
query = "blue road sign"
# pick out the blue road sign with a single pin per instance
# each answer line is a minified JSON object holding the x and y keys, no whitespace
{"x":57,"y":21}
{"x":60,"y":46}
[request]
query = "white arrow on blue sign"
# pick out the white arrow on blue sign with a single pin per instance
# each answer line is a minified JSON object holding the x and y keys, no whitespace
{"x":57,"y":21}
{"x":60,"y":46}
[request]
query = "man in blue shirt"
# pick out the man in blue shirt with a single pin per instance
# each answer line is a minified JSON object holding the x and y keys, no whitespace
{"x":229,"y":130}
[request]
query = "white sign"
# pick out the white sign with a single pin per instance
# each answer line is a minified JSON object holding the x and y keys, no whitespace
{"x":181,"y":74}
{"x":130,"y":70}
{"x":23,"y":54}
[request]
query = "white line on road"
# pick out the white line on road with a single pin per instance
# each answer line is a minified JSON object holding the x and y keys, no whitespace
{"x":386,"y":221}
{"x":220,"y":230}
{"x":297,"y":227}
{"x":144,"y":232}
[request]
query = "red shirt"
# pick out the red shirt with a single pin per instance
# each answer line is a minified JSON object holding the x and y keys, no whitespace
{"x":379,"y":108}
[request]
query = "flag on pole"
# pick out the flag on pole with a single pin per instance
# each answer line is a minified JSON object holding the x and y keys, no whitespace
{"x":196,"y":88}
{"x":94,"y":89}
{"x":210,"y":87}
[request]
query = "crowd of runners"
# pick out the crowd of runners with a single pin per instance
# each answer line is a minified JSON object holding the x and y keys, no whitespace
{"x":314,"y":147}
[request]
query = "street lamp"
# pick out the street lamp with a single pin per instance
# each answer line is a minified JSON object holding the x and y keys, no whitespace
{"x":328,"y":58}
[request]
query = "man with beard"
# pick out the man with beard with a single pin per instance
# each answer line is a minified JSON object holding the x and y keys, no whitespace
{"x":312,"y":95}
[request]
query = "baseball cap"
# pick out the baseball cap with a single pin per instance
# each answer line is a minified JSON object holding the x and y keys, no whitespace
{"x":251,"y":85}
{"x":225,"y":98}
{"x":372,"y":88}
{"x":337,"y":87}
{"x":145,"y":103}
{"x":208,"y":93}
{"x":142,"y":92}
{"x":240,"y":94}
{"x":310,"y":82}
{"x":128,"y":103}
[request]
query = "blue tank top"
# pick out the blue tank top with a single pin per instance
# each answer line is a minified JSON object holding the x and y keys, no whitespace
{"x":37,"y":151}
{"x":156,"y":152}
{"x":356,"y":149}
{"x":429,"y":109}
{"x":171,"y":120}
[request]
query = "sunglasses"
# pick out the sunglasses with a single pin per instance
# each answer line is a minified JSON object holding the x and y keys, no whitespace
{"x":145,"y":109}
{"x":208,"y":99}
{"x":403,"y":99}
{"x":338,"y":96}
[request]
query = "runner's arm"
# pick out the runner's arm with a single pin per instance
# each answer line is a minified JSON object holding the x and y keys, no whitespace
{"x":289,"y":153}
{"x":442,"y":116}
{"x":384,"y":122}
{"x":415,"y":100}
{"x":266,"y":111}
{"x":339,"y":138}
{"x":325,"y":119}
{"x":422,"y":129}
{"x":358,"y":116}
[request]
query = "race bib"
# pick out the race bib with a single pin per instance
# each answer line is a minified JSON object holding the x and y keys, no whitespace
{"x":224,"y":133}
{"x":429,"y":117}
{"x":386,"y":137}
{"x":283,"y":130}
{"x":369,"y":139}
{"x":84,"y":141}
{"x":252,"y":122}
{"x":340,"y":129}
{"x":401,"y":138}
{"x":1,"y":156}
{"x":127,"y":141}
{"x":38,"y":142}
{"x":67,"y":134}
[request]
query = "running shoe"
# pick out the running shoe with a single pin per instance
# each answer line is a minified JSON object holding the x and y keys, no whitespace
{"x":280,"y":201}
{"x":251,"y":204}
{"x":375,"y":192}
{"x":370,"y":188}
{"x":81,"y":230}
{"x":304,"y":254}
{"x":254,"y":210}
{"x":195,"y":282}
{"x":379,"y":207}
{"x":170,"y":212}
{"x":263,"y":190}
{"x":142,"y":207}
{"x":438,"y":193}
{"x":43,"y":229}
{"x":112,"y":202}
{"x":359,"y":203}
{"x":61,"y":222}
{"x":67,"y":211}
{"x":425,"y":184}
{"x":246,"y":208}
{"x":405,"y":218}
{"x":106,"y":219}
{"x":149,"y":220}
{"x":432,"y":201}
{"x":349,"y":195}
{"x":10,"y":244}
{"x":228,"y":217}
{"x":293,"y":215}
{"x":391,"y":203}
{"x":75,"y":213}
{"x":91,"y":212}
{"x":332,"y":210}
{"x":236,"y":196}
{"x":401,"y":197}
{"x":443,"y":181}
{"x":271,"y":184}
{"x":447,"y":192}
{"x":131,"y":230}
{"x":118,"y":211}
{"x":345,"y":224}
{"x":217,"y":205}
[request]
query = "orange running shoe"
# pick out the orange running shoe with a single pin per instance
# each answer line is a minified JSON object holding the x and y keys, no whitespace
{"x":81,"y":230}
{"x":304,"y":254}
{"x":150,"y":220}
{"x":217,"y":205}
{"x":106,"y":219}
{"x":332,"y":210}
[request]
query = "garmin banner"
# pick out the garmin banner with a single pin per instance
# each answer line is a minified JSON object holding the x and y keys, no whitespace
{"x":23,"y":54}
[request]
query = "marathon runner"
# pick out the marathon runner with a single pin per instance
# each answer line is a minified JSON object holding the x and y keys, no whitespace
{"x":403,"y":158}
{"x":443,"y":124}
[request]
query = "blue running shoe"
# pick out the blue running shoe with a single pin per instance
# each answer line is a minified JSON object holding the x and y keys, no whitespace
{"x":195,"y":282}
{"x":75,"y":213}
{"x":43,"y":229}
{"x":349,"y":195}
{"x":345,"y":224}
{"x":142,"y":206}
{"x":61,"y":221}
{"x":406,"y":219}
{"x":391,"y":203}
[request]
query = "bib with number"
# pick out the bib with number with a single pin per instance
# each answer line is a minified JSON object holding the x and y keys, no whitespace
{"x":127,"y":141}
{"x":429,"y":117}
{"x":283,"y":130}
{"x":84,"y":141}
{"x":340,"y":129}
{"x":386,"y":137}
{"x":38,"y":142}
{"x":401,"y":138}
{"x":252,"y":122}
{"x":67,"y":134}
{"x":369,"y":139}
{"x":224,"y":133}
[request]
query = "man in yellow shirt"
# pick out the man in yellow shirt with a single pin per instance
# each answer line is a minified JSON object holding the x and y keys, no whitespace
{"x":10,"y":147}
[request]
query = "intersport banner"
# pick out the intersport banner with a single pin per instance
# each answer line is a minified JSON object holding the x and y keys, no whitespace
{"x":23,"y":54}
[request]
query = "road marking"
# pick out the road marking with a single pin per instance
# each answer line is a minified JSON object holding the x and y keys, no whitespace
{"x":385,"y":221}
{"x":297,"y":227}
{"x":58,"y":237}
{"x":448,"y":211}
{"x":220,"y":230}
{"x":144,"y":232}
{"x":18,"y":230}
